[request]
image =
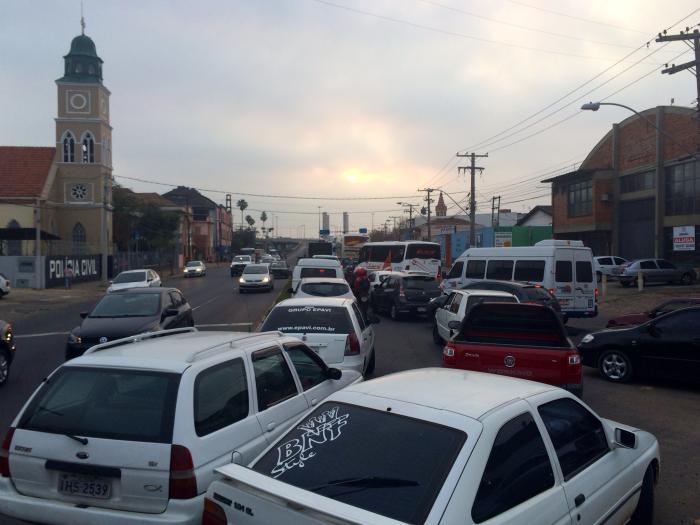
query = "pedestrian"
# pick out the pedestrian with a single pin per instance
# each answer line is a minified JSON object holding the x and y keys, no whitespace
{"x":68,"y":275}
{"x":361,"y":289}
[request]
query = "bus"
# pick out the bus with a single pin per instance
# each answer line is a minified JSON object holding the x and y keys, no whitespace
{"x":351,"y":243}
{"x":401,"y":256}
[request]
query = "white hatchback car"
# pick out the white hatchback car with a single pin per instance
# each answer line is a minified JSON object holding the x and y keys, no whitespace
{"x":332,"y":327}
{"x":446,"y":447}
{"x":322,"y":287}
{"x":131,"y":432}
{"x":608,"y":265}
{"x":194,"y":269}
{"x":134,"y":279}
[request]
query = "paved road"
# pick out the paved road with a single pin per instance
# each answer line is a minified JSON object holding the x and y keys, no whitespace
{"x":671,"y":412}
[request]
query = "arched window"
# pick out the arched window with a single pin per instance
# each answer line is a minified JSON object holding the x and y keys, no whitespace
{"x":79,"y":239}
{"x":14,"y":247}
{"x":68,"y":147}
{"x":88,"y":148}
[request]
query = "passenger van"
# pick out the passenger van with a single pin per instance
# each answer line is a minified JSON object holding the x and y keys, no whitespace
{"x":565,"y":268}
{"x":311,"y":267}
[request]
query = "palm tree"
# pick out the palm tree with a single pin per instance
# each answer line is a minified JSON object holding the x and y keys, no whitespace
{"x":242,"y":205}
{"x":249,"y":220}
{"x":263,"y":218}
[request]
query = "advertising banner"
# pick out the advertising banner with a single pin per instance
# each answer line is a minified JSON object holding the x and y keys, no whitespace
{"x":503,"y":239}
{"x":684,"y":238}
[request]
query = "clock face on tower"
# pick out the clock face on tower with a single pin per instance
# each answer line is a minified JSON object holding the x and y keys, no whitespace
{"x":77,"y":101}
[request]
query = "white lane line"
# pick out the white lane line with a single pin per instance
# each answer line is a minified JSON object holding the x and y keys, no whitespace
{"x":206,"y":303}
{"x":45,"y":334}
{"x":222,"y":324}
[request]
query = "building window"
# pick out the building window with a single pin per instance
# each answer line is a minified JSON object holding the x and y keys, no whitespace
{"x":683,"y":189}
{"x":581,"y":199}
{"x":88,"y":148}
{"x":68,"y":147}
{"x":14,"y":247}
{"x":637,"y":182}
{"x":79,"y":239}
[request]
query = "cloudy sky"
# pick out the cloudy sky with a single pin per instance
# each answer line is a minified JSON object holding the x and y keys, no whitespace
{"x":346,"y":98}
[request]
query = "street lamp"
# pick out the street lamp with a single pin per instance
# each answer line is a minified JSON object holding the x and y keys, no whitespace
{"x":595,"y":106}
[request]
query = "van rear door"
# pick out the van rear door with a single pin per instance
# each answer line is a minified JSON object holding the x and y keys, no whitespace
{"x":584,"y":284}
{"x":564,"y":278}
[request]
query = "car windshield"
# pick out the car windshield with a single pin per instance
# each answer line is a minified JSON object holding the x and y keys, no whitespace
{"x":370,"y":459}
{"x":308,"y":319}
{"x":105,"y":403}
{"x":194,"y":264}
{"x":426,"y":283}
{"x":127,"y":305}
{"x":241,"y":258}
{"x":325,"y":289}
{"x":130,"y":277}
{"x":255,"y":269}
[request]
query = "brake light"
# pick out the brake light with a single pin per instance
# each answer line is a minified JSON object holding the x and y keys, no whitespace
{"x":213,"y":513}
{"x":352,"y":345}
{"x":5,"y":453}
{"x":575,"y":359}
{"x":596,"y":295}
{"x":551,"y":291}
{"x":183,"y":482}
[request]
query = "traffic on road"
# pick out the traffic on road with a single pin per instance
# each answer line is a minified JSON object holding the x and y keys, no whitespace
{"x":183,"y":400}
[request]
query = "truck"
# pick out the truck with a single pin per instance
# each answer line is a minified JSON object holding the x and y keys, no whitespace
{"x":319,"y":248}
{"x":351,"y":244}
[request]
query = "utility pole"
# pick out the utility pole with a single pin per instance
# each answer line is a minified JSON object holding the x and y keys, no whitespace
{"x":410,"y":215}
{"x":394,"y":217}
{"x":472,"y":194}
{"x":495,"y":210}
{"x":428,"y":191}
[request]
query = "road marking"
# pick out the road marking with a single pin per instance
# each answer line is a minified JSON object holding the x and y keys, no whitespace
{"x":206,"y":303}
{"x":222,"y":324}
{"x":45,"y":334}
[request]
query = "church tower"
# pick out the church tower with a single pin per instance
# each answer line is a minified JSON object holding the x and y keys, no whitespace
{"x":440,"y":207}
{"x":83,"y":152}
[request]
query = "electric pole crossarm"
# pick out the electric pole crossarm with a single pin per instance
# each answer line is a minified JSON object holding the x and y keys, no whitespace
{"x":675,"y":69}
{"x":682,"y":36}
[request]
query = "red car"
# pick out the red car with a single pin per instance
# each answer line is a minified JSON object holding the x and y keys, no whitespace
{"x":660,"y":309}
{"x":520,"y":340}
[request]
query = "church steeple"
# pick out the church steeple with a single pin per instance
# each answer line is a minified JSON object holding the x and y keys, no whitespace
{"x":440,"y":207}
{"x":82,"y":64}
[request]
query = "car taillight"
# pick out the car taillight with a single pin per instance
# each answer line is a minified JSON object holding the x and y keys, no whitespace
{"x":551,"y":291}
{"x":5,"y":453}
{"x":352,"y":345}
{"x":596,"y":295}
{"x":183,"y":482}
{"x":574,"y":359}
{"x":213,"y":513}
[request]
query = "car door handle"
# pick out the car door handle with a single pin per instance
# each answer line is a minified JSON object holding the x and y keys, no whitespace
{"x":578,"y":500}
{"x":270,"y":427}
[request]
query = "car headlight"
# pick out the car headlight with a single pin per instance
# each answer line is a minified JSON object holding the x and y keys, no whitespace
{"x":74,"y":339}
{"x":266,"y":279}
{"x":241,"y":280}
{"x":198,"y":270}
{"x":587,"y":338}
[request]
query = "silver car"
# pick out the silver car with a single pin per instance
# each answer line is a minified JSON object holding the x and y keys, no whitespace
{"x":256,"y":277}
{"x":655,"y":271}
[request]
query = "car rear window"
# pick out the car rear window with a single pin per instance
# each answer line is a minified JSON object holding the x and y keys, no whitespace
{"x":110,"y":403}
{"x":420,"y":283}
{"x":325,"y":289}
{"x":309,"y":320}
{"x":584,"y":272}
{"x":513,"y":324}
{"x":317,"y":272}
{"x":130,"y":277}
{"x":534,"y":293}
{"x":371,"y":459}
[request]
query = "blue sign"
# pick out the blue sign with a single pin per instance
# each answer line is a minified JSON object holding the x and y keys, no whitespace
{"x":324,"y":232}
{"x":363,"y":230}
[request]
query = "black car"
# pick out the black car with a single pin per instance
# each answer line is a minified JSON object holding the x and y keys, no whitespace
{"x":525,"y":292}
{"x":668,"y":346}
{"x":405,"y":293}
{"x":129,"y":312}
{"x":7,"y":351}
{"x":279,"y":270}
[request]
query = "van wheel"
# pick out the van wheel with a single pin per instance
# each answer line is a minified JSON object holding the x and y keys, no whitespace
{"x":644,"y":513}
{"x":370,"y":364}
{"x":436,"y":335}
{"x":615,"y":366}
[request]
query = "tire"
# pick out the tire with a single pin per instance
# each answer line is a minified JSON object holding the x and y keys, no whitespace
{"x":4,"y":367}
{"x":615,"y":366}
{"x":436,"y":335}
{"x":644,"y":513}
{"x":371,"y":363}
{"x":686,"y":279}
{"x":394,"y":313}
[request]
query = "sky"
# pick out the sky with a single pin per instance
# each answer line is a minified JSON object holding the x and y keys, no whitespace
{"x":356,"y":104}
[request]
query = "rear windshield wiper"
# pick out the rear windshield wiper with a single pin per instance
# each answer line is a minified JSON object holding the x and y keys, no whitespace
{"x":82,"y":441}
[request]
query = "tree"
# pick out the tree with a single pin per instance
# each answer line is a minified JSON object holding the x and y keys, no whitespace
{"x":242,"y":205}
{"x":249,"y":220}
{"x":263,"y":219}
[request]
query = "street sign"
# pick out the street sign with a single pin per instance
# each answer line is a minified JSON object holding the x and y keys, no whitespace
{"x":684,"y":238}
{"x":362,"y":230}
{"x":324,"y":232}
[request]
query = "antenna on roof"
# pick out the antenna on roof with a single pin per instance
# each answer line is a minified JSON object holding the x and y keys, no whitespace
{"x":82,"y":19}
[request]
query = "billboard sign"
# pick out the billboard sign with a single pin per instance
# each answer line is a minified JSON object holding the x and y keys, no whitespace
{"x":684,"y":238}
{"x":503,"y":239}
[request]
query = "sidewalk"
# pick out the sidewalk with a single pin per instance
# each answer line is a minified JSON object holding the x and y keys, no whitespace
{"x":22,"y":302}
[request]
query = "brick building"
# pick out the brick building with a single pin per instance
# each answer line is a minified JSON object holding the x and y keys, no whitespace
{"x":634,"y":187}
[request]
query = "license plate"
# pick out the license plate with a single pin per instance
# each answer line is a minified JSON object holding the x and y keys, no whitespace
{"x":84,"y":486}
{"x":421,"y":309}
{"x":590,"y":303}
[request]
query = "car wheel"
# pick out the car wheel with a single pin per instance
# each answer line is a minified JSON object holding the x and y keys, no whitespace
{"x":394,"y":313}
{"x":4,"y":367}
{"x":686,"y":278}
{"x":370,"y":364}
{"x":436,"y":335}
{"x":615,"y":366}
{"x":644,"y":513}
{"x":598,"y":276}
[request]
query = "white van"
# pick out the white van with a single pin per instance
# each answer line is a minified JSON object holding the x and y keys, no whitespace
{"x":565,"y":268}
{"x":310,"y":267}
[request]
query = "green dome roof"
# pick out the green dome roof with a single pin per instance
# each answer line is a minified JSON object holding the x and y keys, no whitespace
{"x":83,"y":45}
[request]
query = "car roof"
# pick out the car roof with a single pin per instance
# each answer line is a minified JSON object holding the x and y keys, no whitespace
{"x":318,"y":263}
{"x":517,"y":284}
{"x":133,"y":271}
{"x":254,"y":265}
{"x":485,"y":293}
{"x":200,"y":262}
{"x":316,"y":301}
{"x":173,"y":353}
{"x":142,"y":291}
{"x":333,"y":280}
{"x":471,"y":394}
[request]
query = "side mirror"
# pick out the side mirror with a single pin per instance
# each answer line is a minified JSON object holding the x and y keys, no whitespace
{"x":454,"y":325}
{"x":169,"y":312}
{"x":334,"y":373}
{"x":373,"y":319}
{"x":83,"y":315}
{"x":625,"y":438}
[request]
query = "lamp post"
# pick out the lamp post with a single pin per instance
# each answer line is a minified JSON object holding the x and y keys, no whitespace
{"x":595,"y":106}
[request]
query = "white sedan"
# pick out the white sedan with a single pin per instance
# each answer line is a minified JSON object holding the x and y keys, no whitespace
{"x":323,"y":287}
{"x":446,"y":447}
{"x":134,"y":279}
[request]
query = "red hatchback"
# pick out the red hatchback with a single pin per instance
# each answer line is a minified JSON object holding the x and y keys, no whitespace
{"x":520,"y":340}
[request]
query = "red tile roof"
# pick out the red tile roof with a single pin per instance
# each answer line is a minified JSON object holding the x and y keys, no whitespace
{"x":23,"y":170}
